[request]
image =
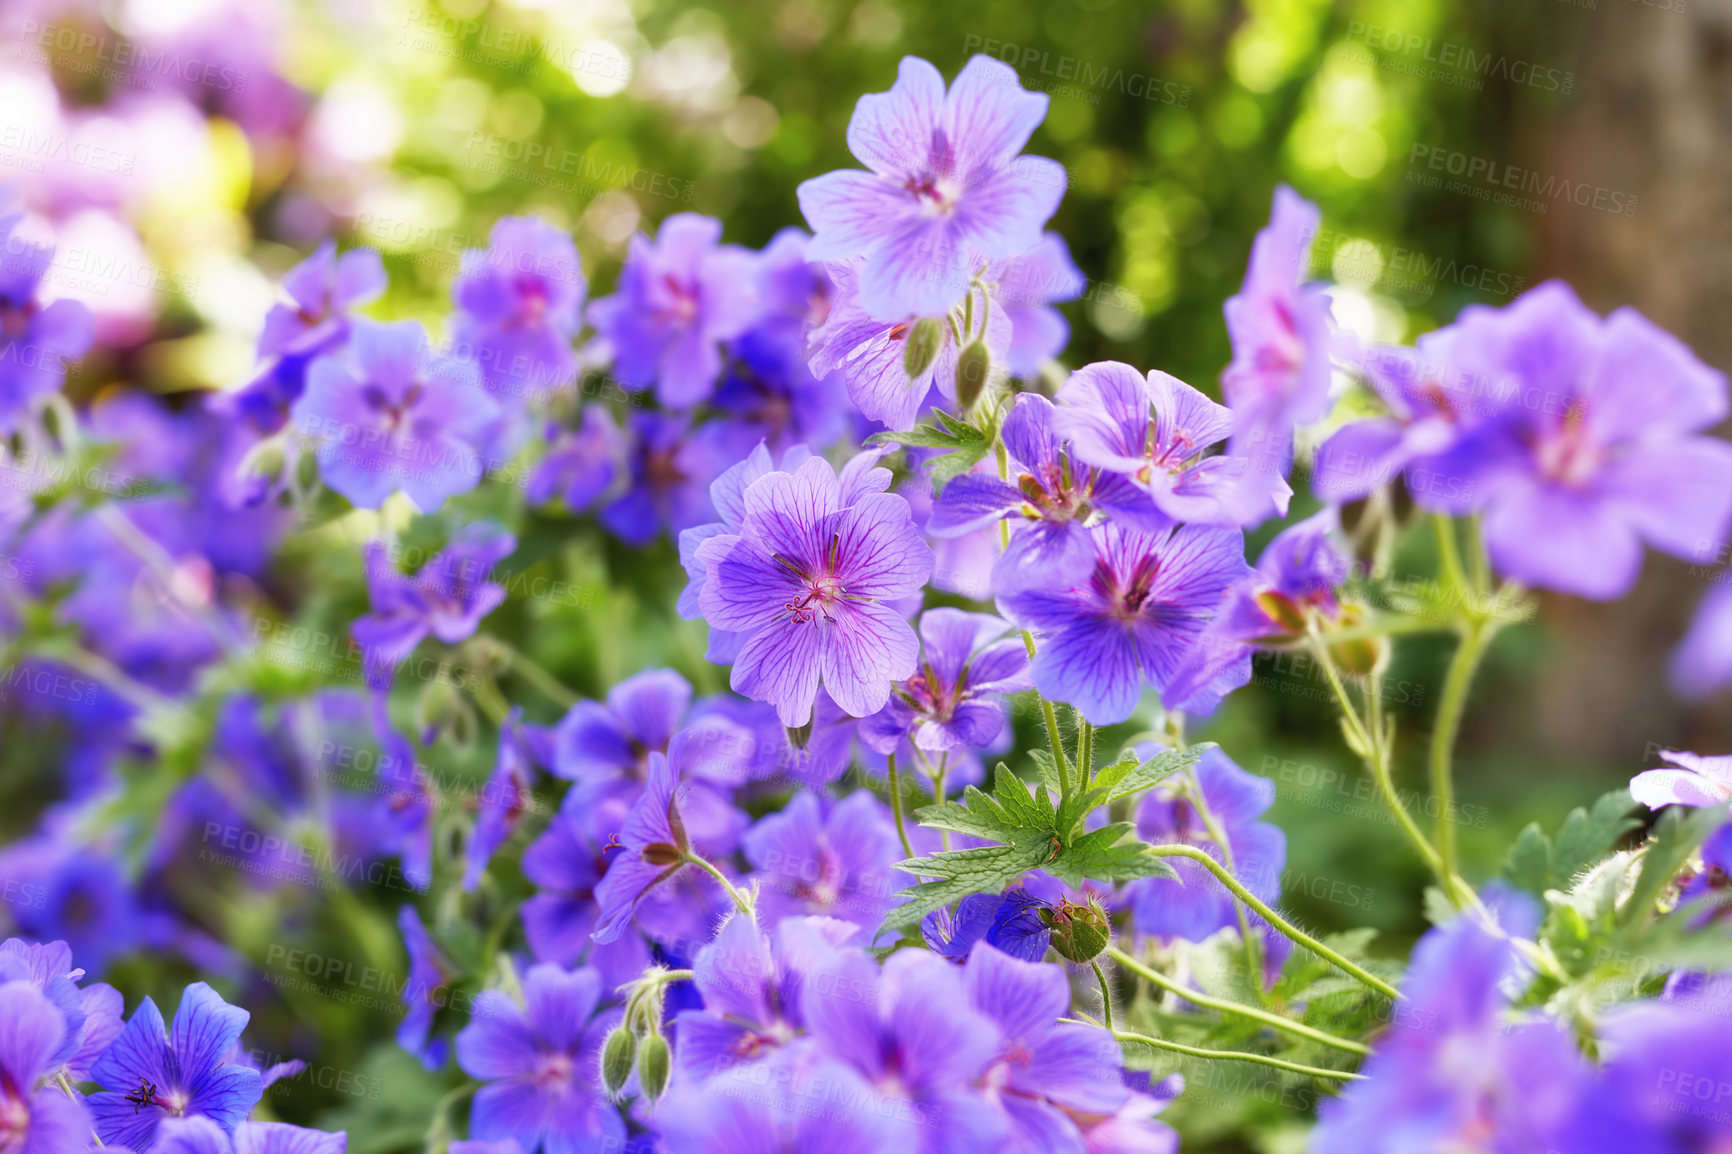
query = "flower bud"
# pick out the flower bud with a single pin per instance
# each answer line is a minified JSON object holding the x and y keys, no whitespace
{"x":264,"y":462}
{"x":1286,"y":614}
{"x":617,"y":1055}
{"x":1080,"y":933}
{"x":972,"y":369}
{"x":441,"y":709}
{"x":924,"y":341}
{"x":653,"y":1060}
{"x":1362,"y":656}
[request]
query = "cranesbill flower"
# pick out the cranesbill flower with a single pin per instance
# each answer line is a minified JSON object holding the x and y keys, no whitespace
{"x":541,"y":1061}
{"x":35,"y":1117}
{"x":1281,"y":333}
{"x":1595,"y":447}
{"x":94,"y":1014}
{"x":946,"y":185}
{"x":669,"y":466}
{"x":604,"y":749}
{"x":507,"y":796}
{"x":446,"y":598}
{"x":322,"y":291}
{"x":886,"y":381}
{"x":580,"y":464}
{"x":1702,"y":663}
{"x":751,"y":1120}
{"x":150,"y":1074}
{"x":389,"y":414}
{"x":1050,"y":499}
{"x":1697,"y":781}
{"x":679,"y":297}
{"x":1156,"y":430}
{"x":1295,"y":582}
{"x":565,"y":866}
{"x":424,"y":990}
{"x":1046,"y":1071}
{"x":36,"y":339}
{"x":807,"y":579}
{"x":1452,"y":1071}
{"x":1009,"y":922}
{"x":519,"y":303}
{"x":769,"y":391}
{"x":912,"y":1033}
{"x":196,"y":1135}
{"x":751,"y":983}
{"x":1659,"y":1090}
{"x":653,"y":847}
{"x":829,"y":859}
{"x":955,"y":700}
{"x":1027,"y":285}
{"x":1194,"y":905}
{"x":1129,"y":619}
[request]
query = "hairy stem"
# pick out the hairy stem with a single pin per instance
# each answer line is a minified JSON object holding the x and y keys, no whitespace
{"x":896,"y":807}
{"x":1106,"y":994}
{"x":1221,"y":1005}
{"x":1228,"y":1055}
{"x":741,"y":901}
{"x":1474,"y":638}
{"x":1280,"y":923}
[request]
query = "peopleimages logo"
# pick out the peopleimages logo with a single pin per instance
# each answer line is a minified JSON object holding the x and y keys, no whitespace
{"x":1487,"y":179}
{"x":1453,"y":63}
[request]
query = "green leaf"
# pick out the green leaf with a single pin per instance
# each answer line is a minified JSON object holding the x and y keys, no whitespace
{"x":1675,"y":838}
{"x":1155,"y":770}
{"x":960,"y":873}
{"x":1538,"y":863}
{"x":966,"y":444}
{"x":1102,"y":855}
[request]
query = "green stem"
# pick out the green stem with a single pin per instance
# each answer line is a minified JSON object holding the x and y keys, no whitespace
{"x":537,"y":675}
{"x":66,"y":1085}
{"x":486,"y":693}
{"x":1252,"y":947}
{"x":1106,"y":995}
{"x":896,"y":807}
{"x":1229,"y":1055}
{"x":1085,"y":753}
{"x":1448,"y":552}
{"x":741,"y":902}
{"x":1221,"y":1005}
{"x":1475,"y":636}
{"x":1274,"y":919}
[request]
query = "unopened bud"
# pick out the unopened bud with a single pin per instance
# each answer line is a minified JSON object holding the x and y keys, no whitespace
{"x":1080,"y":933}
{"x":617,"y":1055}
{"x":441,"y":709}
{"x":1286,"y":615}
{"x":924,"y":341}
{"x":653,"y":1061}
{"x":264,"y":461}
{"x":972,"y":369}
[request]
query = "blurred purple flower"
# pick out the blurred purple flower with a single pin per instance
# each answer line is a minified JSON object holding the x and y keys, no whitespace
{"x":1702,"y":663}
{"x":1026,"y":285}
{"x":1009,"y":922}
{"x":35,"y":1117}
{"x":1130,"y":618}
{"x":955,"y":698}
{"x":425,"y":989}
{"x":679,"y":297}
{"x":507,"y":796}
{"x":769,"y":392}
{"x":580,"y":464}
{"x":807,"y":578}
{"x":946,"y":185}
{"x":1697,"y":781}
{"x":824,"y":858}
{"x":446,"y":598}
{"x":390,"y":414}
{"x":36,"y":339}
{"x":541,"y":1062}
{"x":670,"y":465}
{"x":150,"y":1074}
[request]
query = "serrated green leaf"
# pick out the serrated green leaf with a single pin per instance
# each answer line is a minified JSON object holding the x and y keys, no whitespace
{"x":1021,"y":809}
{"x":1103,"y":856}
{"x":1529,"y":864}
{"x":1046,"y":770}
{"x":1157,"y":769}
{"x":977,"y":820}
{"x":1588,"y":835}
{"x":987,"y":869}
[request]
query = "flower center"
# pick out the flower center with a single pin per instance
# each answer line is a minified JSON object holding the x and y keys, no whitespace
{"x":1127,"y":597}
{"x":681,"y":304}
{"x":1570,"y":455}
{"x":15,"y":319}
{"x":930,"y":696}
{"x":817,"y":592}
{"x":553,"y":1071}
{"x":14,"y":1123}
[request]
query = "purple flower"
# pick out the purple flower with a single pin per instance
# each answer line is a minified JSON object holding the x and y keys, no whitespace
{"x":751,"y":984}
{"x":505,"y":798}
{"x":678,"y":298}
{"x":1129,"y":618}
{"x":1661,"y":1088}
{"x":94,"y":1014}
{"x":605,"y":750}
{"x":1281,"y":334}
{"x":36,"y":339}
{"x":196,"y":1135}
{"x":35,"y":1117}
{"x":322,"y":291}
{"x":769,"y":392}
{"x":914,"y":1035}
{"x":1594,"y":447}
{"x":519,"y":303}
{"x":1702,"y":663}
{"x":670,"y":465}
{"x":807,"y":579}
{"x":1009,"y":922}
{"x":389,"y":414}
{"x":954,"y":700}
{"x":1295,"y":579}
{"x":872,"y":354}
{"x":1451,"y":1072}
{"x":541,"y":1061}
{"x":150,"y":1074}
{"x":1133,"y":1129}
{"x":1046,"y":1071}
{"x":580,"y":464}
{"x":1026,"y":285}
{"x":653,"y":847}
{"x":424,"y":990}
{"x":1194,"y":905}
{"x":828,"y":859}
{"x":747,"y":1120}
{"x":1050,"y":499}
{"x":1698,"y":781}
{"x":1156,"y":430}
{"x":447,"y":598}
{"x":946,"y":186}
